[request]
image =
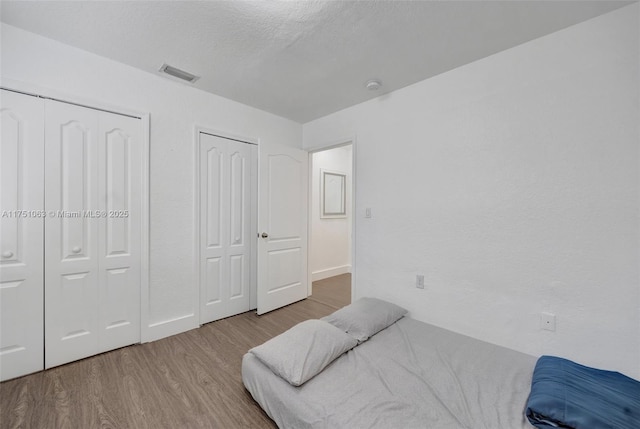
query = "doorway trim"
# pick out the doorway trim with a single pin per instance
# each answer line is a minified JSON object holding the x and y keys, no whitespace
{"x":346,"y":141}
{"x":197,"y":298}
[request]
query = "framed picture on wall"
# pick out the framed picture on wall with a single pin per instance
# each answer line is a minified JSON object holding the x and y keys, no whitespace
{"x":333,"y":197}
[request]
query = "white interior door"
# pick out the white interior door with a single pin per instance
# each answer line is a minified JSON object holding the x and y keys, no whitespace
{"x":21,"y":235}
{"x":227,"y":175}
{"x":282,"y":245}
{"x":71,"y":251}
{"x":119,"y":252}
{"x":92,"y":236}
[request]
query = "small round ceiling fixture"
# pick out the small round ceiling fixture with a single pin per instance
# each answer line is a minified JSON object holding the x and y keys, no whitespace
{"x":373,"y":85}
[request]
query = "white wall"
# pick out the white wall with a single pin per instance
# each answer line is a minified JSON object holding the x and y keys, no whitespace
{"x":512,"y":184}
{"x":174,"y":111}
{"x":330,"y":253}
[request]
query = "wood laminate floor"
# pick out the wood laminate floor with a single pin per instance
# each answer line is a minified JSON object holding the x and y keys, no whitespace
{"x":190,"y":380}
{"x":333,"y":291}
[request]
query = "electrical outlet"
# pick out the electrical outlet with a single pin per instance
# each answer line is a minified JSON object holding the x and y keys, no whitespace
{"x":420,"y":281}
{"x":548,"y":321}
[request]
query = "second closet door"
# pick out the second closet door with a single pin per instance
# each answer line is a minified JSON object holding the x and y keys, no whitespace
{"x":92,"y":241}
{"x":226,"y":239}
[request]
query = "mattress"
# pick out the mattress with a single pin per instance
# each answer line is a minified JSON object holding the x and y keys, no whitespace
{"x":409,"y":375}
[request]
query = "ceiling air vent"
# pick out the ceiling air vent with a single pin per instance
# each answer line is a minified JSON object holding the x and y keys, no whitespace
{"x":180,"y":74}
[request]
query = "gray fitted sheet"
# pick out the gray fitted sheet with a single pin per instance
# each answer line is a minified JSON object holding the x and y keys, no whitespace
{"x":410,"y":375}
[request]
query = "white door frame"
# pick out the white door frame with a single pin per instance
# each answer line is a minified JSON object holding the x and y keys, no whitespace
{"x":332,"y":145}
{"x":196,"y":213}
{"x":48,"y":93}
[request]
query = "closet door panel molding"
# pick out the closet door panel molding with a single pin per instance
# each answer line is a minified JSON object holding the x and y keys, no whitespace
{"x":213,"y":193}
{"x":74,"y":234}
{"x":119,"y":178}
{"x":239,"y":250}
{"x":21,"y":230}
{"x":93,"y":251}
{"x":71,"y":234}
{"x":225,"y":211}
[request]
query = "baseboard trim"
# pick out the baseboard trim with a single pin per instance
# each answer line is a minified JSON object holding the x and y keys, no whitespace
{"x":330,"y":272}
{"x":167,"y":328}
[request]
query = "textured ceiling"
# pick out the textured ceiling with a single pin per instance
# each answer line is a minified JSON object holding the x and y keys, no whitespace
{"x":299,"y":59}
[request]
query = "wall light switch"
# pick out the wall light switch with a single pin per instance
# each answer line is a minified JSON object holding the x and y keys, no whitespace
{"x":367,"y":213}
{"x":420,"y":281}
{"x":548,"y":322}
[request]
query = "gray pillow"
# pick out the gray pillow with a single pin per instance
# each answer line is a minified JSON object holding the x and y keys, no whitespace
{"x":303,"y":351}
{"x":365,"y":317}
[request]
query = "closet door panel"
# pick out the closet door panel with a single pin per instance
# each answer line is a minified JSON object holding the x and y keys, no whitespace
{"x":71,"y":233}
{"x":119,"y":181}
{"x":21,"y":230}
{"x":214,"y":191}
{"x":225,"y":227}
{"x":239,"y":250}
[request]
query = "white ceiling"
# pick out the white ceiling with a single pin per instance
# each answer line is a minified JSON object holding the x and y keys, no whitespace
{"x":299,"y":59}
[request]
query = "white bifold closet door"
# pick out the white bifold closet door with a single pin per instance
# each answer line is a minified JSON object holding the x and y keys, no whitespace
{"x":226,"y":230}
{"x":92,"y":231}
{"x":21,"y":229}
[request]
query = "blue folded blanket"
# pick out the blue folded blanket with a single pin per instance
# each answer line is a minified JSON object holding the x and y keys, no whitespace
{"x":567,"y":395}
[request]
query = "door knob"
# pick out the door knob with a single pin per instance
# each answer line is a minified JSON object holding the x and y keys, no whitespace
{"x":76,"y":249}
{"x":264,"y":235}
{"x":7,"y":254}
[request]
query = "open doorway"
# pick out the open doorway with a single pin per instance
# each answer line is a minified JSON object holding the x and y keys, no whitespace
{"x":331,"y":225}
